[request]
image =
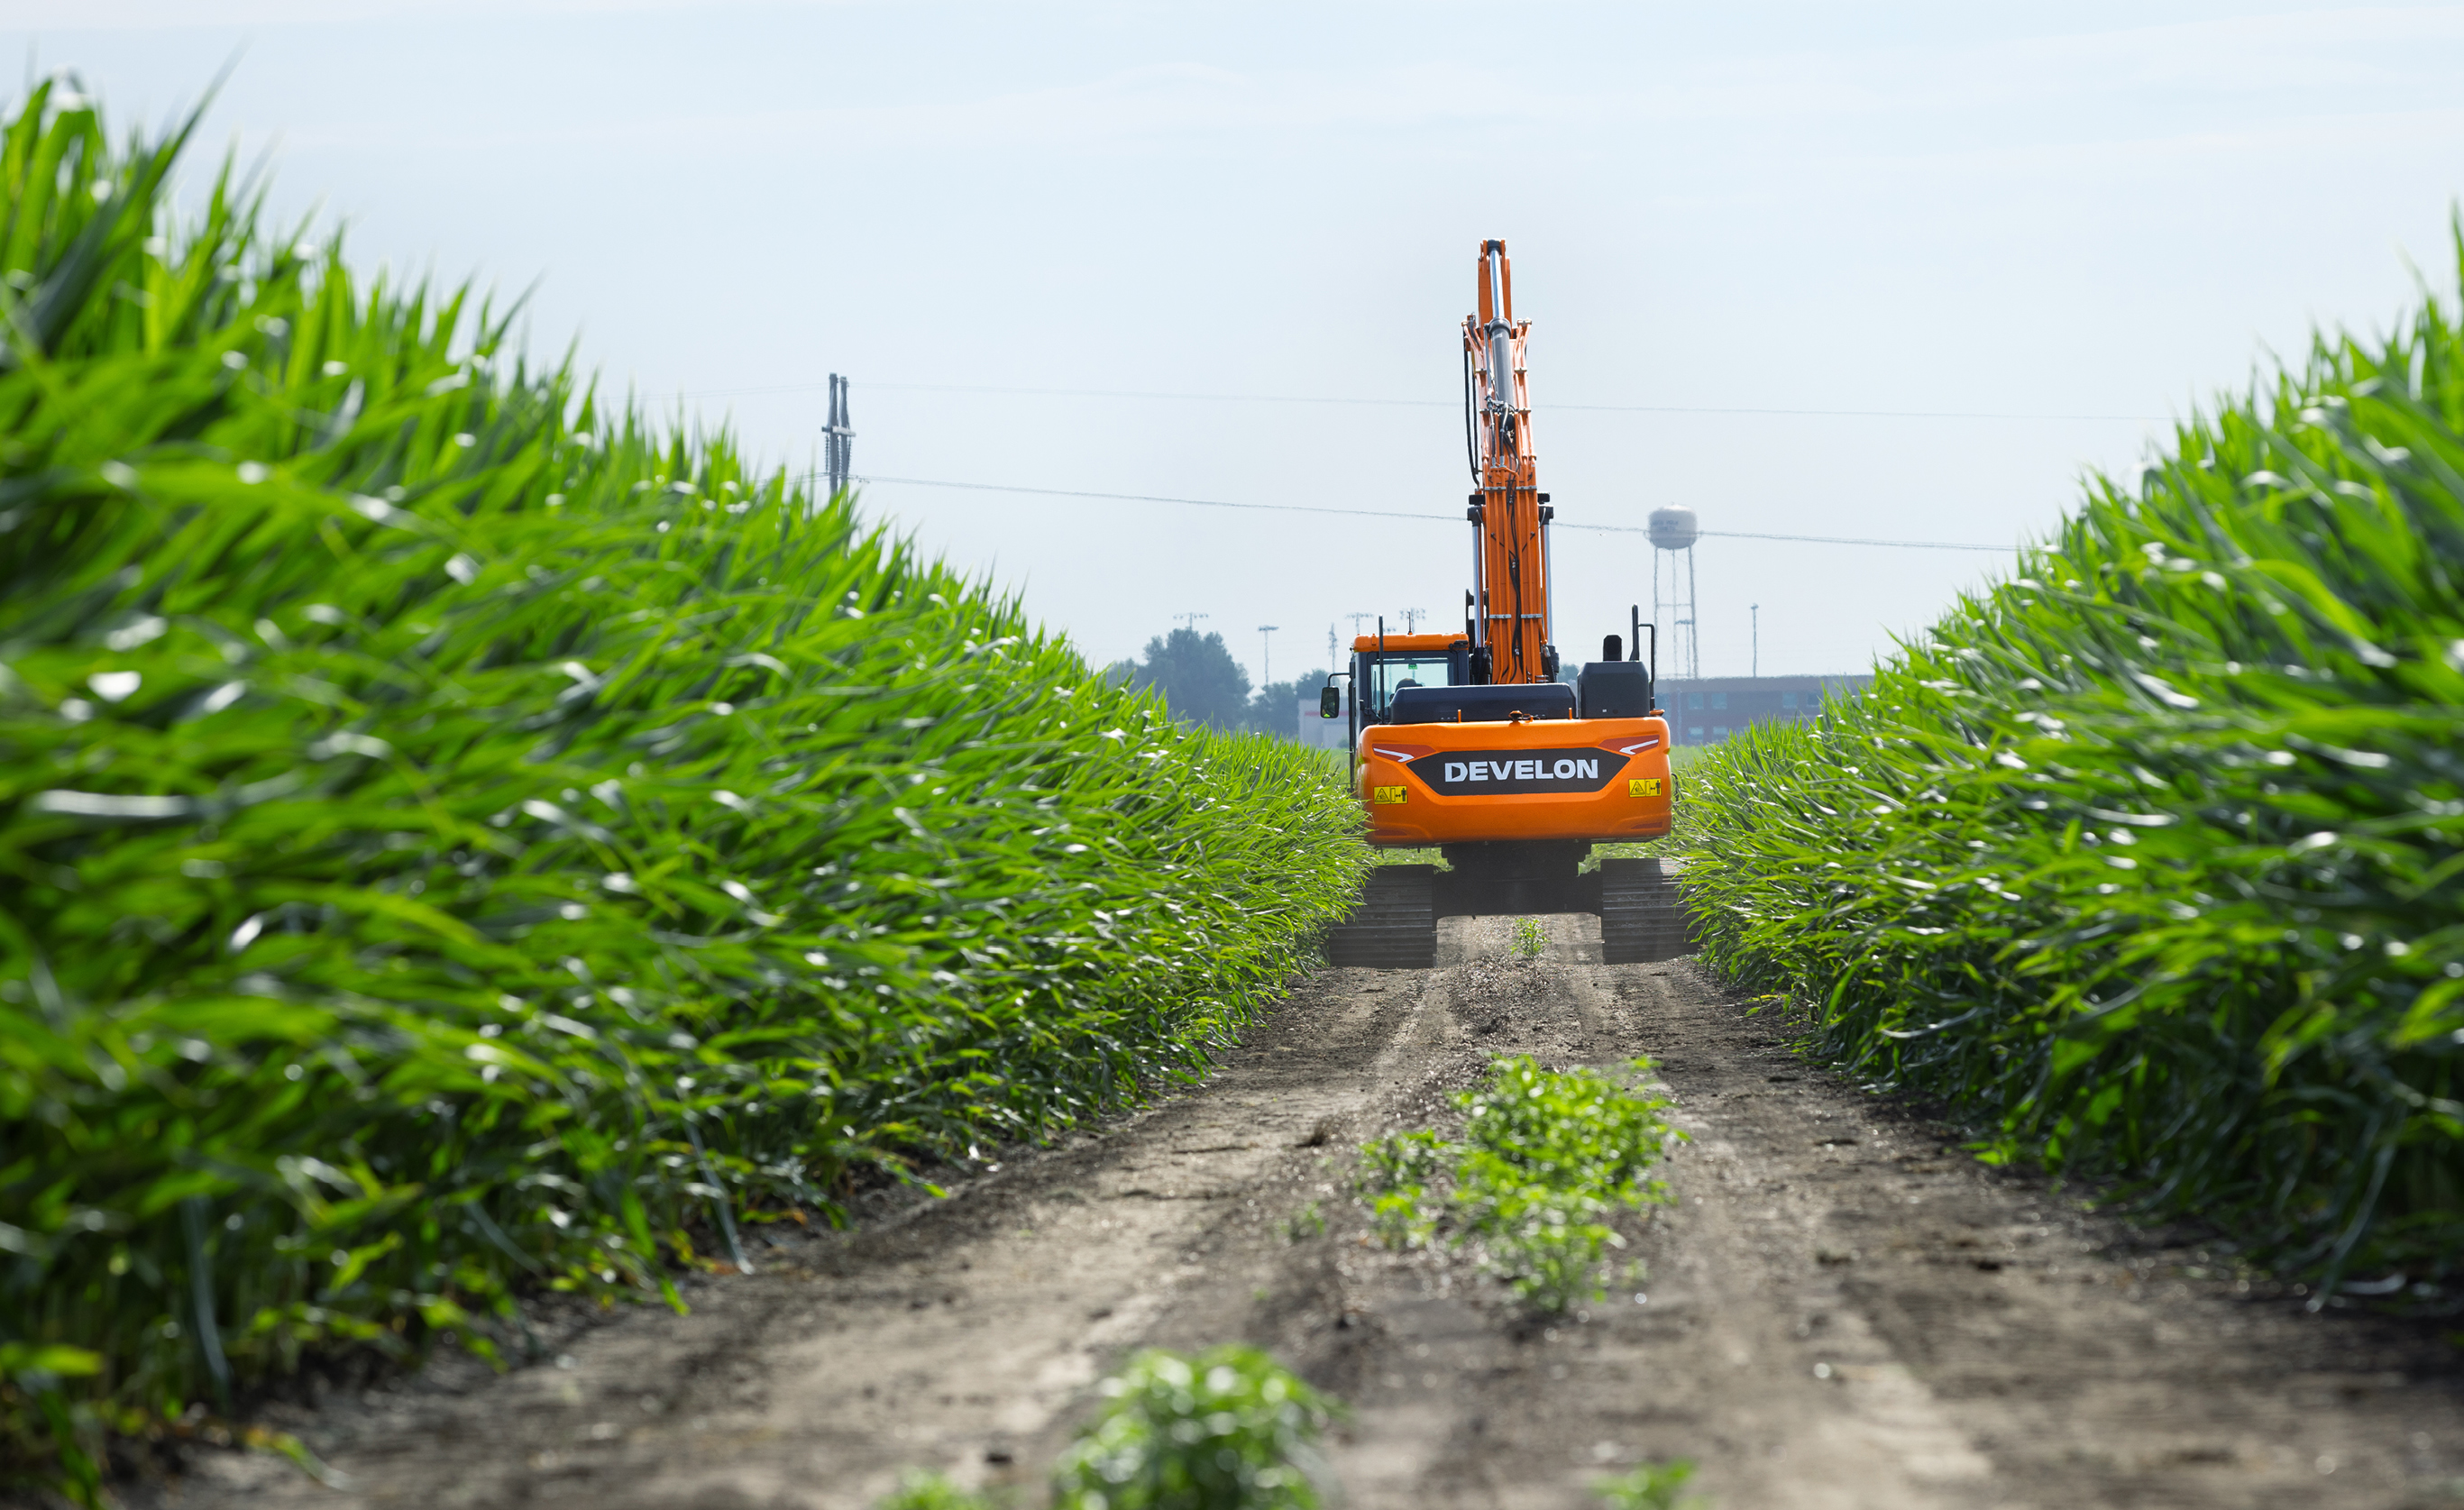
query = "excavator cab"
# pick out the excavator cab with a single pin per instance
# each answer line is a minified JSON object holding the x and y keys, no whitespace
{"x":1393,"y":664}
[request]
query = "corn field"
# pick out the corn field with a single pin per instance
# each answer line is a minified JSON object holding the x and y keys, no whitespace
{"x":2148,"y":857}
{"x":457,"y":837}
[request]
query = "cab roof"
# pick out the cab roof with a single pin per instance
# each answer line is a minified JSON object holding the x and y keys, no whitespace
{"x":1369,"y":644}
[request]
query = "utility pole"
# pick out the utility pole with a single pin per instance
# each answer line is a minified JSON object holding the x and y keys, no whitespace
{"x":1189,"y":620}
{"x":1333,"y":661}
{"x":1693,"y":619}
{"x":838,"y":439}
{"x":1266,"y":653}
{"x":1757,"y":662}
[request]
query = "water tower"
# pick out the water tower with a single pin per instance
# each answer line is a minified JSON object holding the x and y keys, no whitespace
{"x":1675,"y":531}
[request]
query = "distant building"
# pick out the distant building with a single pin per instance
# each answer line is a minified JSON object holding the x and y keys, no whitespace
{"x":1709,"y":709}
{"x":1320,"y":733}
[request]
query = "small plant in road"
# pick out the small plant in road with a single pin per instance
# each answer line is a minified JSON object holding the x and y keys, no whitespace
{"x":1531,"y":939}
{"x":1654,"y":1486}
{"x":1227,"y":1430}
{"x":1545,"y":1158}
{"x":1394,"y":1181}
{"x":1552,"y":1257}
{"x":1305,"y":1223}
{"x":925,"y":1490}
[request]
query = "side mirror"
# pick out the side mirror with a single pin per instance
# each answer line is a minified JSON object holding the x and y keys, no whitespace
{"x":1330,"y":703}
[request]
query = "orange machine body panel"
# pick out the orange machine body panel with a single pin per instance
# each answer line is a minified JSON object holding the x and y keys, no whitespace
{"x":1603,"y":780}
{"x":1425,"y":643}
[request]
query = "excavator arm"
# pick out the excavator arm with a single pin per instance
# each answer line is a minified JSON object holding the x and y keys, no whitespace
{"x":1508,"y":608}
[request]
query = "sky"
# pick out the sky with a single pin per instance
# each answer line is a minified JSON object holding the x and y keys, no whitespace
{"x":1907,"y":272}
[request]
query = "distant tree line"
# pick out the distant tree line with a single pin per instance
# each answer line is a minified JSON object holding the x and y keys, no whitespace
{"x":1202,"y":684}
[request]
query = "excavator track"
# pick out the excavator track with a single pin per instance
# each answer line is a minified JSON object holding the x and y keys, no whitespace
{"x":1396,"y":925}
{"x":1642,"y":919}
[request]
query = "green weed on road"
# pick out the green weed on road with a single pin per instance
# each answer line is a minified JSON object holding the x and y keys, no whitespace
{"x":1547,"y":1156}
{"x":1531,"y":939}
{"x":1228,"y":1429}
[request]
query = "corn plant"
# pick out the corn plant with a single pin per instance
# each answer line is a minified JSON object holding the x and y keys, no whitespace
{"x":1531,"y":939}
{"x":2148,"y":856}
{"x":1229,"y":1429}
{"x":1545,"y":1158}
{"x":456,"y":836}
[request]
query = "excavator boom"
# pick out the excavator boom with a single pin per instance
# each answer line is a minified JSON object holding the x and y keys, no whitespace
{"x":1508,"y":607}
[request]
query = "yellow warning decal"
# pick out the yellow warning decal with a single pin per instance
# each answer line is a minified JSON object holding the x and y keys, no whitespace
{"x":1648,"y":786}
{"x":1386,"y":793}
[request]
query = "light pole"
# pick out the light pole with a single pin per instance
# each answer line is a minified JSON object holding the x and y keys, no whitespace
{"x":1411,"y":618}
{"x":1266,"y":653}
{"x":1756,"y":664}
{"x":1189,"y":620}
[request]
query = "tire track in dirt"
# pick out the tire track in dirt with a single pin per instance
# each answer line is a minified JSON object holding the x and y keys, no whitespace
{"x":1842,"y":1310}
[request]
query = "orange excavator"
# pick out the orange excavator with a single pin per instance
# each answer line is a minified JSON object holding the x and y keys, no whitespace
{"x":1473,"y":744}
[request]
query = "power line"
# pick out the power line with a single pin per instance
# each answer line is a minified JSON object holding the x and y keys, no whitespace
{"x":1866,"y":414}
{"x":1070,"y":393}
{"x":1388,"y":514}
{"x":1814,"y":539}
{"x":1425,"y":404}
{"x":1148,"y":497}
{"x":1134,"y":393}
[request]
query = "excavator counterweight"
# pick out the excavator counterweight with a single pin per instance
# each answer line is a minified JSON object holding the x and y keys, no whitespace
{"x":1474,"y":744}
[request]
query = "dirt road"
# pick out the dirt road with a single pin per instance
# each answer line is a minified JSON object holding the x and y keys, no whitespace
{"x":1840,"y":1310}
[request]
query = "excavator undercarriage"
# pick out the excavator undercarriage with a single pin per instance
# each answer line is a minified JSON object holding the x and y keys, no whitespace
{"x":1396,"y":925}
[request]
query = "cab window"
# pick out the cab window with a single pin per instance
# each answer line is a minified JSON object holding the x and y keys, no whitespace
{"x":1389,"y":673}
